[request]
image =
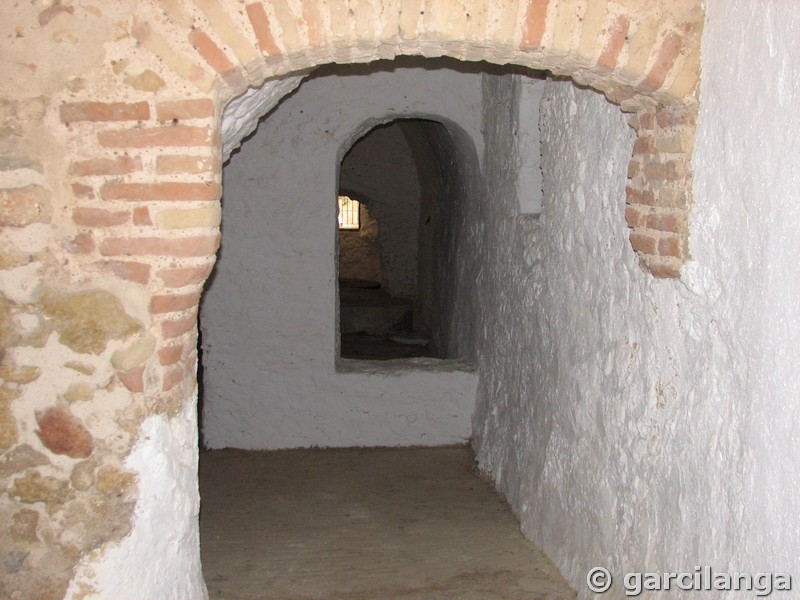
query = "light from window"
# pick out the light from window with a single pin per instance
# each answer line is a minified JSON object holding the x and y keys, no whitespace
{"x":348,"y":213}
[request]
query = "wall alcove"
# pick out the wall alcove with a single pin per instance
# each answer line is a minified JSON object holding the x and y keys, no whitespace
{"x":275,"y":379}
{"x":400,"y":167}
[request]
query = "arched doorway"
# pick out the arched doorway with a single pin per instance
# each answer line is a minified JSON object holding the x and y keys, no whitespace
{"x":135,"y":186}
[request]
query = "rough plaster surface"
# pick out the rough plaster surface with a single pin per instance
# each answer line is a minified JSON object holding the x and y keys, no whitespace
{"x":241,"y":115}
{"x":269,"y":315}
{"x":639,"y":424}
{"x":165,"y":522}
{"x":582,"y":367}
{"x":746,"y":239}
{"x":454,"y":289}
{"x":528,"y":144}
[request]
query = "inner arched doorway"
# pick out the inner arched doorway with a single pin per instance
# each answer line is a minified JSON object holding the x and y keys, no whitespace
{"x":402,"y":172}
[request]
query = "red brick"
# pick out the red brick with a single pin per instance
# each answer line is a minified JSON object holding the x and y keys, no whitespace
{"x":171,"y":190}
{"x":675,"y":223}
{"x":644,"y":145}
{"x":634,"y":168}
{"x":83,"y":243}
{"x":633,"y":217}
{"x":98,"y":217}
{"x":535,"y":22}
{"x":168,"y":136}
{"x":669,"y":51}
{"x":173,"y":329}
{"x":130,"y":271}
{"x":635,"y":196}
{"x":182,"y":276}
{"x":122,"y":165}
{"x":643,"y":243}
{"x":133,"y":379}
{"x":664,"y":119}
{"x":104,"y":111}
{"x":80,"y":190}
{"x":141,"y":216}
{"x":184,"y":163}
{"x":674,"y":118}
{"x":169,"y":355}
{"x":667,"y":170}
{"x":313,"y":19}
{"x":610,"y":55}
{"x":260,"y":22}
{"x":212,"y":53}
{"x":173,"y":377}
{"x":173,"y":303}
{"x":670,"y":245}
{"x":154,"y":246}
{"x":197,"y":108}
{"x":647,"y":120}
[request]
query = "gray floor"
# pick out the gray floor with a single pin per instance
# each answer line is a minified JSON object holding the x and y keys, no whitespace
{"x":362,"y":524}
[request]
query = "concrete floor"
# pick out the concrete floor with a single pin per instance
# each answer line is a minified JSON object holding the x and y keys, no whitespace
{"x":363,"y":524}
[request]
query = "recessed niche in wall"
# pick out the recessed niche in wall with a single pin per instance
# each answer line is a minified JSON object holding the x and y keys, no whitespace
{"x":378,"y":262}
{"x":390,"y":270}
{"x":273,"y":376}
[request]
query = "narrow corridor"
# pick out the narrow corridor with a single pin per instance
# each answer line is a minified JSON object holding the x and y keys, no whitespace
{"x":363,"y":524}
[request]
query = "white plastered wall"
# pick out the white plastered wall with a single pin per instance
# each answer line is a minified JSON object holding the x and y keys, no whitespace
{"x":639,"y":424}
{"x":269,"y":314}
{"x":746,"y":240}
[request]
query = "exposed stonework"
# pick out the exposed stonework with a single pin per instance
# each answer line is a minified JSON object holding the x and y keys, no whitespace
{"x":8,"y":426}
{"x":87,"y":321}
{"x":24,"y":206}
{"x":62,"y":433}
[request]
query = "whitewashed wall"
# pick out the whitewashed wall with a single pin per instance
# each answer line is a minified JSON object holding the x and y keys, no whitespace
{"x":269,"y":314}
{"x":640,"y":424}
{"x":746,"y":239}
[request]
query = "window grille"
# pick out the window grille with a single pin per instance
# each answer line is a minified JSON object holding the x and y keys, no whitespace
{"x":348,"y":213}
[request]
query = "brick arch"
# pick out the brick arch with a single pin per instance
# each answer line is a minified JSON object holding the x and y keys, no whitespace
{"x":145,"y":174}
{"x":644,"y":57}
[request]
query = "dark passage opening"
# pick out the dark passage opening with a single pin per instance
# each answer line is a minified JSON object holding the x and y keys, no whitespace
{"x":392,"y":179}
